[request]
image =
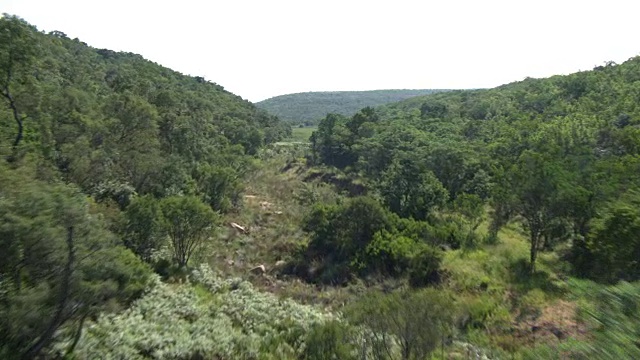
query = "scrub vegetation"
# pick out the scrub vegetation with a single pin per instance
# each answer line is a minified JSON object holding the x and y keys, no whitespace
{"x":145,"y":214}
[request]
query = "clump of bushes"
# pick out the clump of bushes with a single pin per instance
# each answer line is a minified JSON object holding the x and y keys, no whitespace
{"x":359,"y":237}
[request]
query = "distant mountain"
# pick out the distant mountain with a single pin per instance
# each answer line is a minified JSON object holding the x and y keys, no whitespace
{"x":310,"y":106}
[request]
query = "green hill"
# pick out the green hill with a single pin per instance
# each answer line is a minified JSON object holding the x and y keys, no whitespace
{"x":523,"y":200}
{"x":89,"y":140}
{"x":96,"y":116}
{"x":309,"y":106}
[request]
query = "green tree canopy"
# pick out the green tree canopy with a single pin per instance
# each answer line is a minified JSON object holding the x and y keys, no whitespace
{"x":59,"y":266}
{"x":189,"y":223}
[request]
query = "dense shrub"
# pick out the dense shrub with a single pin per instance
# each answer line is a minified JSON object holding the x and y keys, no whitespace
{"x":424,"y":266}
{"x":614,"y":241}
{"x":360,"y":237}
{"x":331,"y":340}
{"x":231,"y":320}
{"x":405,"y":324}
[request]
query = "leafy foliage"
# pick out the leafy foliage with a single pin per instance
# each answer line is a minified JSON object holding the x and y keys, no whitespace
{"x":330,"y":340}
{"x":614,"y":243}
{"x":552,"y":160}
{"x":104,"y":151}
{"x":110,"y":121}
{"x":411,"y":191}
{"x":60,"y":264}
{"x":188,"y":223}
{"x":143,"y":232}
{"x":361,"y":237}
{"x":548,"y":153}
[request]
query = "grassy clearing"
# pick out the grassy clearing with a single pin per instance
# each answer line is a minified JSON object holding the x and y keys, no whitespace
{"x":302,"y":134}
{"x":275,"y":202}
{"x":507,"y":308}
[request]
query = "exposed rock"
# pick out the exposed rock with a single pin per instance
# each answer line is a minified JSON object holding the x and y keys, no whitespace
{"x":238,"y":227}
{"x":265,"y":205}
{"x":280,"y":263}
{"x":258,"y":270}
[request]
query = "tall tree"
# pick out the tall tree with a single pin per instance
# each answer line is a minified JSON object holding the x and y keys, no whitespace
{"x":189,"y":223}
{"x":535,"y":183}
{"x":331,"y":143}
{"x":614,"y":240}
{"x":143,"y":229}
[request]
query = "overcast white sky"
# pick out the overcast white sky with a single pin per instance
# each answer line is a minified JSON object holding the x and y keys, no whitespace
{"x":263,"y":48}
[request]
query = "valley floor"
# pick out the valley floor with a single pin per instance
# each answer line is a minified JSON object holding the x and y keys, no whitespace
{"x":505,"y":309}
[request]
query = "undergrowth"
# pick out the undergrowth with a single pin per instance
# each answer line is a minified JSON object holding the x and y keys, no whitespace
{"x":503,"y":307}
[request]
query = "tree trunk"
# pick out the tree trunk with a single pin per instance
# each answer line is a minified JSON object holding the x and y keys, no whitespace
{"x":534,"y":252}
{"x":14,"y":110}
{"x":65,"y":287}
{"x":76,"y":337}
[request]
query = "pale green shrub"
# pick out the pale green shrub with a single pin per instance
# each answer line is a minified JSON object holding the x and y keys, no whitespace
{"x":173,"y":322}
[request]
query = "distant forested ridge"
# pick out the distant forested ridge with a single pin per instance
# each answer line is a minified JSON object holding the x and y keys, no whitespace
{"x":310,"y":106}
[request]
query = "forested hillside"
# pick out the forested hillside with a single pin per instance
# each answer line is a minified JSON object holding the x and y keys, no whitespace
{"x":445,"y":180}
{"x":307,"y":108}
{"x":104,"y":153}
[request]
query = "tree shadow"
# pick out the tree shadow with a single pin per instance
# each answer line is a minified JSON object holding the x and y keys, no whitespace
{"x":524,"y":281}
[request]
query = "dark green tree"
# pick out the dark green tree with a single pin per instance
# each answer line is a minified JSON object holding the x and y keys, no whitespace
{"x":220,"y":186}
{"x":614,"y":241}
{"x":331,"y":143}
{"x":341,"y":234}
{"x":410,"y":190}
{"x":471,"y":207}
{"x":143,"y":231}
{"x":535,"y":182}
{"x":330,"y":340}
{"x":60,"y":265}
